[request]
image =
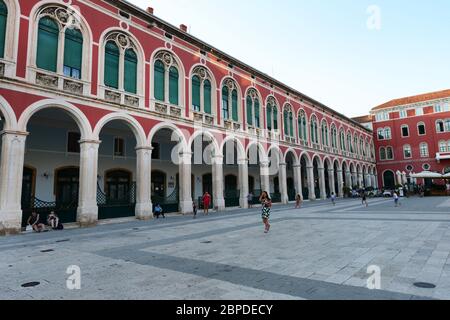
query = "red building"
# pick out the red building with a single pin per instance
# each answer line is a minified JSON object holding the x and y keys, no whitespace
{"x":412,"y":135}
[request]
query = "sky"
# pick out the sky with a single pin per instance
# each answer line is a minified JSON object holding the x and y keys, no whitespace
{"x":351,"y":55}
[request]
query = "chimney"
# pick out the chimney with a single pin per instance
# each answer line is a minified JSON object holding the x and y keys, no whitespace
{"x":183,"y":27}
{"x":150,"y":10}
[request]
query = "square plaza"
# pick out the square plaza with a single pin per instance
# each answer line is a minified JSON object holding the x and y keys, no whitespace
{"x":317,"y":252}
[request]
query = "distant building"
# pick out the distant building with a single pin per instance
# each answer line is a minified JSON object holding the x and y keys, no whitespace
{"x":365,"y":121}
{"x":412,"y":135}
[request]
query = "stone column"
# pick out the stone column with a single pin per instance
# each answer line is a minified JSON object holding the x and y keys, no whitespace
{"x":298,"y":180}
{"x":368,"y":181}
{"x":282,"y":177}
{"x":360,"y":180}
{"x":87,"y":212}
{"x":243,"y":182}
{"x":185,"y":182}
{"x":11,"y":175}
{"x":310,"y":178}
{"x":376,"y":181}
{"x":144,"y":206}
{"x":354,"y":179}
{"x":323,"y":190}
{"x":331,"y":181}
{"x":340,"y":191}
{"x":265,"y":178}
{"x":218,"y":181}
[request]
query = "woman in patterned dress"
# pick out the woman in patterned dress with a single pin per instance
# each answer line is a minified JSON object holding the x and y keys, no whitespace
{"x":266,"y":205}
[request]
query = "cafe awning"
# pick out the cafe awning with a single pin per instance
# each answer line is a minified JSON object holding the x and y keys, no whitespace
{"x":427,"y":175}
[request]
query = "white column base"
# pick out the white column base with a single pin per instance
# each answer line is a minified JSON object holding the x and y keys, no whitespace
{"x":87,"y":216}
{"x":144,"y":211}
{"x":186,"y":207}
{"x":243,"y":203}
{"x":10,"y":222}
{"x":219,"y":205}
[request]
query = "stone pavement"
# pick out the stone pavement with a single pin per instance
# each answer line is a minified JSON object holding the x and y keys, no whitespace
{"x":317,"y":252}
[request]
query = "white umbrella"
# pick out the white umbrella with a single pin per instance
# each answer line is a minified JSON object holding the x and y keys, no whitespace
{"x":427,"y":175}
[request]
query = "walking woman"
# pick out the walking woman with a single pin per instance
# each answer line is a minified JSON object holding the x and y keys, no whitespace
{"x":266,"y":205}
{"x":206,"y":203}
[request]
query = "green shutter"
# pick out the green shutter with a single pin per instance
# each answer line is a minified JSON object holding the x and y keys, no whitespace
{"x":130,"y":72}
{"x":225,"y":103}
{"x":275,"y":118}
{"x":299,"y":125}
{"x":159,"y":80}
{"x":196,"y":93}
{"x":291,"y":125}
{"x":3,"y":21}
{"x":47,"y":46}
{"x":207,"y":98}
{"x":249,"y":110}
{"x":305,"y":135}
{"x":269,"y":117}
{"x":173,"y":86}
{"x":285,"y":122}
{"x":234,"y":99}
{"x":257,"y":113}
{"x":73,"y":49}
{"x":112,"y":56}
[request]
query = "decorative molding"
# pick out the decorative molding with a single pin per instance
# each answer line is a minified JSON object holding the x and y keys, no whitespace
{"x":46,"y":80}
{"x":73,"y":86}
{"x":112,"y":96}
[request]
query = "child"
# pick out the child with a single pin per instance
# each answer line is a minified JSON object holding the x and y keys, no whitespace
{"x":159,"y":211}
{"x":396,"y":199}
{"x":194,"y":206}
{"x":333,"y":199}
{"x":298,"y":202}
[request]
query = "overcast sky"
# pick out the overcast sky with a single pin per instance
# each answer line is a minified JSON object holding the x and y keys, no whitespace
{"x":349,"y":54}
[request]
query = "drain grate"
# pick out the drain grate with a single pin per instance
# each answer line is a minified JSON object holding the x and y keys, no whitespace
{"x":48,"y":250}
{"x":206,"y":242}
{"x":31,"y":284}
{"x":424,"y":285}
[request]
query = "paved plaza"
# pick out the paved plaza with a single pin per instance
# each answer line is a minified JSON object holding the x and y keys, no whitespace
{"x":317,"y":252}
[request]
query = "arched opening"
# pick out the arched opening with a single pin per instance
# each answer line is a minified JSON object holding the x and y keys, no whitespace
{"x":53,"y":150}
{"x":165,"y":180}
{"x":291,"y":189}
{"x":346,"y":180}
{"x":116,"y":187}
{"x":337,"y":187}
{"x":254,"y":156}
{"x":304,"y":173}
{"x":232,"y":192}
{"x":316,"y":166}
{"x":274,"y":170}
{"x":389,"y":180}
{"x":327,"y":168}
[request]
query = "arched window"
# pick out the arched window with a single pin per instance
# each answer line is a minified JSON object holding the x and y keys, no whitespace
{"x":342,"y":140}
{"x":166,"y":78}
{"x":447,"y":125}
{"x":73,"y":53}
{"x":324,"y":132}
{"x":253,"y":108}
{"x":314,"y":130}
{"x":130,"y":77}
{"x":230,"y":108}
{"x":442,"y":146}
{"x":382,"y":153}
{"x":334,"y":137}
{"x":272,"y":114}
{"x":424,"y":150}
{"x":302,"y":126}
{"x":407,"y":153}
{"x":288,"y":121}
{"x":47,"y":45}
{"x":225,"y":103}
{"x":121,"y":63}
{"x":387,"y":133}
{"x":112,"y":56}
{"x":389,"y":153}
{"x":355,"y":145}
{"x":3,"y":22}
{"x":207,"y":97}
{"x":421,"y":129}
{"x":234,"y":105}
{"x":195,"y":86}
{"x":349,"y":143}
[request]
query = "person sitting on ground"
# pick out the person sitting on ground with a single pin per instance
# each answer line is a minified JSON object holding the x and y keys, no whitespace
{"x":158,"y":211}
{"x":54,"y":222}
{"x":298,"y":201}
{"x":35,"y":223}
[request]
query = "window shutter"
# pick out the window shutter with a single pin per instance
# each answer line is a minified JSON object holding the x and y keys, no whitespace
{"x":285,"y":122}
{"x":196,"y":93}
{"x":234,"y":99}
{"x":3,"y":21}
{"x":225,"y":103}
{"x":130,"y":76}
{"x":300,"y":128}
{"x":291,"y":125}
{"x":173,"y":86}
{"x":275,"y":118}
{"x":47,"y":47}
{"x":257,"y":114}
{"x":207,"y":98}
{"x":269,"y":117}
{"x":249,"y":110}
{"x":112,"y":65}
{"x":73,"y":49}
{"x":159,"y":80}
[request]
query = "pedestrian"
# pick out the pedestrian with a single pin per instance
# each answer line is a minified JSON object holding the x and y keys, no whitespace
{"x":206,"y":200}
{"x":35,"y":222}
{"x":364,"y":199}
{"x":158,"y":211}
{"x":54,"y":222}
{"x":298,"y":201}
{"x":194,"y":207}
{"x":333,"y":199}
{"x":396,"y":199}
{"x":266,"y":205}
{"x":250,"y":200}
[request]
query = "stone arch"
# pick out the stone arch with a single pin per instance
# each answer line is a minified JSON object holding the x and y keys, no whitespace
{"x":8,"y":114}
{"x":320,"y":163}
{"x":177,"y":131}
{"x":260,"y":148}
{"x":291,"y":151}
{"x":240,"y":147}
{"x":308,"y":160}
{"x":134,"y":125}
{"x":78,"y":116}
